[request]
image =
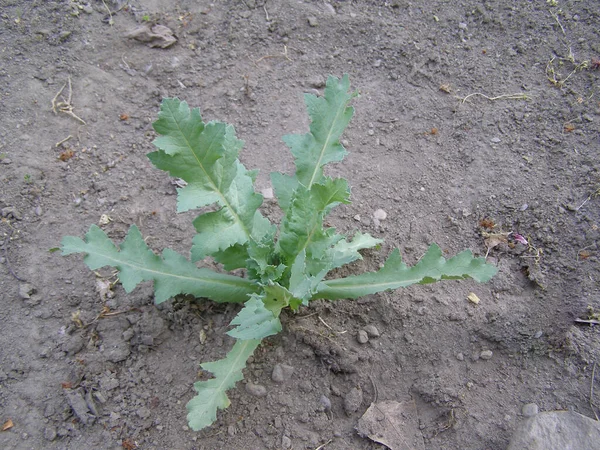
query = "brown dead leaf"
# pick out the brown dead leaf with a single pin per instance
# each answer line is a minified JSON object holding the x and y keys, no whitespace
{"x":494,"y":240}
{"x":8,"y":425}
{"x":66,"y":155}
{"x":129,"y":444}
{"x":393,"y":424}
{"x":124,"y":117}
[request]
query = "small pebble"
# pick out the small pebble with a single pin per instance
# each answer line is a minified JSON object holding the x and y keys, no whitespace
{"x":371,"y":330}
{"x":325,"y":402}
{"x":50,"y":433}
{"x":286,"y":442}
{"x":312,"y":21}
{"x":486,"y":354}
{"x":281,"y":372}
{"x":530,"y":409}
{"x":460,"y":356}
{"x":362,"y":337}
{"x":538,"y":334}
{"x":256,"y":390}
{"x":496,"y":140}
{"x":380,"y":214}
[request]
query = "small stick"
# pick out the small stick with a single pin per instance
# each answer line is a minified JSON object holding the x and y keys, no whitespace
{"x":558,"y":22}
{"x":284,"y":54}
{"x":63,"y":141}
{"x":499,"y":97}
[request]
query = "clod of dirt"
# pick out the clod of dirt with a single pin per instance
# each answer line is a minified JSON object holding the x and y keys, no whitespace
{"x":281,"y":373}
{"x":352,"y":400}
{"x":393,"y":424}
{"x":154,"y":36}
{"x":79,"y":405}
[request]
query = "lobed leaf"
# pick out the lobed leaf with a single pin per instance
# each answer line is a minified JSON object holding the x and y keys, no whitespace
{"x":396,"y":274}
{"x":171,"y":273}
{"x":329,"y":116}
{"x":202,"y":409}
{"x":255,"y":321}
{"x":205,"y":156}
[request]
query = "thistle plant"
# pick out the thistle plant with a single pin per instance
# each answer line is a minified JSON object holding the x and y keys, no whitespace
{"x":285,"y":266}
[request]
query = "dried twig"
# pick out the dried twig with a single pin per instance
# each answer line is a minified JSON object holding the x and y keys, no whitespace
{"x":519,"y":96}
{"x":65,"y":106}
{"x":284,"y":54}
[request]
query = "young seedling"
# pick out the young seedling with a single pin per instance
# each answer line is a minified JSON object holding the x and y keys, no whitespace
{"x":285,"y":267}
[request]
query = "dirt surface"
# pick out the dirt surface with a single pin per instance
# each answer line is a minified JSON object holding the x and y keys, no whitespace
{"x":471,"y":115}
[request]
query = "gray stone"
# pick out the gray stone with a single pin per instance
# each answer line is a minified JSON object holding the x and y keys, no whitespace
{"x":530,"y":410}
{"x":325,"y":402}
{"x":313,"y":22}
{"x":486,"y":354}
{"x":556,"y":430}
{"x":371,"y":330}
{"x":286,"y":442}
{"x":353,"y":399}
{"x":257,"y":390}
{"x":50,"y":433}
{"x":362,"y":337}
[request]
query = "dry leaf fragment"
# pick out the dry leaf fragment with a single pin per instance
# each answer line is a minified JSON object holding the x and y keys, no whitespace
{"x":124,"y":117}
{"x":8,"y":425}
{"x":129,"y":444}
{"x":393,"y":424}
{"x":473,"y":298}
{"x":66,"y":155}
{"x":445,"y":88}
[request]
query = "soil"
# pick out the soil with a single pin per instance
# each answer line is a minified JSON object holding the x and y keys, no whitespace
{"x":473,"y":117}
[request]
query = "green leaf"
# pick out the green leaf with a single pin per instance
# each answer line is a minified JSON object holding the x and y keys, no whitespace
{"x":172,"y":273}
{"x":255,"y":321}
{"x":205,"y":156}
{"x":202,"y":409}
{"x":345,"y":252}
{"x":395,"y":274}
{"x":284,"y":187}
{"x":302,"y":227}
{"x":329,"y":116}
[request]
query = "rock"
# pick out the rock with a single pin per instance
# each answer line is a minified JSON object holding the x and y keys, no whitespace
{"x":380,"y":214}
{"x":256,"y":390}
{"x":312,"y":21}
{"x":362,"y":337}
{"x":564,"y":430}
{"x":325,"y":403}
{"x":286,"y":442}
{"x":486,"y":354}
{"x":153,"y":35}
{"x":281,"y":372}
{"x":460,"y":356}
{"x":371,"y":330}
{"x":352,"y":400}
{"x":529,"y":410}
{"x":50,"y":433}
